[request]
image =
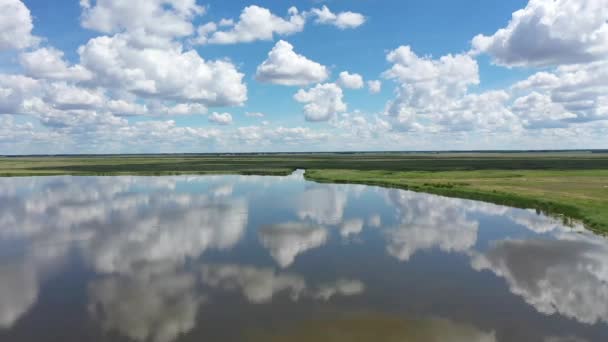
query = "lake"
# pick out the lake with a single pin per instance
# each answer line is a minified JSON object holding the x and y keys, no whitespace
{"x":253,"y":258}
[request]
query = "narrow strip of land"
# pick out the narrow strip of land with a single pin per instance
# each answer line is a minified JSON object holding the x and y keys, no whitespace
{"x":571,"y":184}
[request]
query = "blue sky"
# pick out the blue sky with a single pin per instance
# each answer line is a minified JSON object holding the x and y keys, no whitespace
{"x":180,"y":75}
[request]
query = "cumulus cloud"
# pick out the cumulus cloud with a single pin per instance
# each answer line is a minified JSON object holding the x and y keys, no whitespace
{"x":15,"y":91}
{"x":254,"y":115}
{"x":49,"y":63}
{"x":424,"y":80}
{"x":322,"y":102}
{"x":124,"y":229}
{"x":284,"y":66}
{"x":159,"y":108}
{"x":428,"y":221}
{"x":569,"y":94}
{"x":126,"y":237}
{"x":255,"y":23}
{"x":427,"y":86}
{"x":15,"y":26}
{"x":566,"y":276}
{"x":486,"y":111}
{"x":142,"y":69}
{"x":288,"y":240}
{"x":220,"y":118}
{"x":351,"y":227}
{"x":168,"y":73}
{"x":324,"y":205}
{"x":539,"y":224}
{"x":157,"y":227}
{"x":146,"y":22}
{"x":342,"y":20}
{"x":66,"y":96}
{"x":432,"y":95}
{"x":258,"y":285}
{"x":259,"y":23}
{"x":155,"y":304}
{"x":539,"y":111}
{"x":344,"y":287}
{"x":549,"y":32}
{"x":143,"y":64}
{"x":19,"y":291}
{"x":266,"y":135}
{"x":351,"y":81}
{"x":375,"y":86}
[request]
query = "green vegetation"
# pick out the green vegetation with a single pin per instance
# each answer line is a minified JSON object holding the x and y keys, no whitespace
{"x":572,"y":184}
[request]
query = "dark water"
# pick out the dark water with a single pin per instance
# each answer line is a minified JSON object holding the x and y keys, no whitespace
{"x":234,"y":258}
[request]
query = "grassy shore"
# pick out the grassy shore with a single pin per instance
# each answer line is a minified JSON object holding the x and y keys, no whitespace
{"x":571,"y":184}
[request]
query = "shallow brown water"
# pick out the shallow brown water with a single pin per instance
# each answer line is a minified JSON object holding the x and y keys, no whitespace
{"x":245,"y":258}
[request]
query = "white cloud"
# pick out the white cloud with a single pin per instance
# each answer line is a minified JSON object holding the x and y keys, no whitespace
{"x":429,"y":221}
{"x":550,"y":32}
{"x":569,"y":94}
{"x":144,"y":65}
{"x":538,"y":111}
{"x":322,"y":102}
{"x":344,"y":287}
{"x":15,"y":26}
{"x":351,"y":81}
{"x":146,"y":22}
{"x":15,"y":90}
{"x":286,"y":67}
{"x":49,"y":63}
{"x":323,"y":204}
{"x":254,"y":115}
{"x":540,"y":80}
{"x":19,"y":291}
{"x":273,"y":137}
{"x":432,"y":95}
{"x":220,"y":118}
{"x":450,"y":75}
{"x":566,"y":276}
{"x":169,"y":73}
{"x":177,"y":109}
{"x":375,"y":86}
{"x":258,"y":285}
{"x":427,"y":86}
{"x":351,"y":227}
{"x":122,"y":107}
{"x":226,"y":22}
{"x":255,"y":23}
{"x":361,"y":128}
{"x":65,"y":96}
{"x":114,"y":225}
{"x":287,"y":240}
{"x":539,"y":224}
{"x":155,"y":304}
{"x":487,"y":111}
{"x":149,"y":231}
{"x":342,"y":20}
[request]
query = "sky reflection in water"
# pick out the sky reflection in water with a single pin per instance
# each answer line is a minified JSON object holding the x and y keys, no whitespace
{"x":249,"y":258}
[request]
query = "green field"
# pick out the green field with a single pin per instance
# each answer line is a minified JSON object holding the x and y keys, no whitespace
{"x":572,"y":184}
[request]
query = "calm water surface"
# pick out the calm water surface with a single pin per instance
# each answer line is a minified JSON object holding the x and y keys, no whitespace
{"x":244,"y":258}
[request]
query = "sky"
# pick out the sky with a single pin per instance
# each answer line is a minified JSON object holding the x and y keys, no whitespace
{"x":162,"y":76}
